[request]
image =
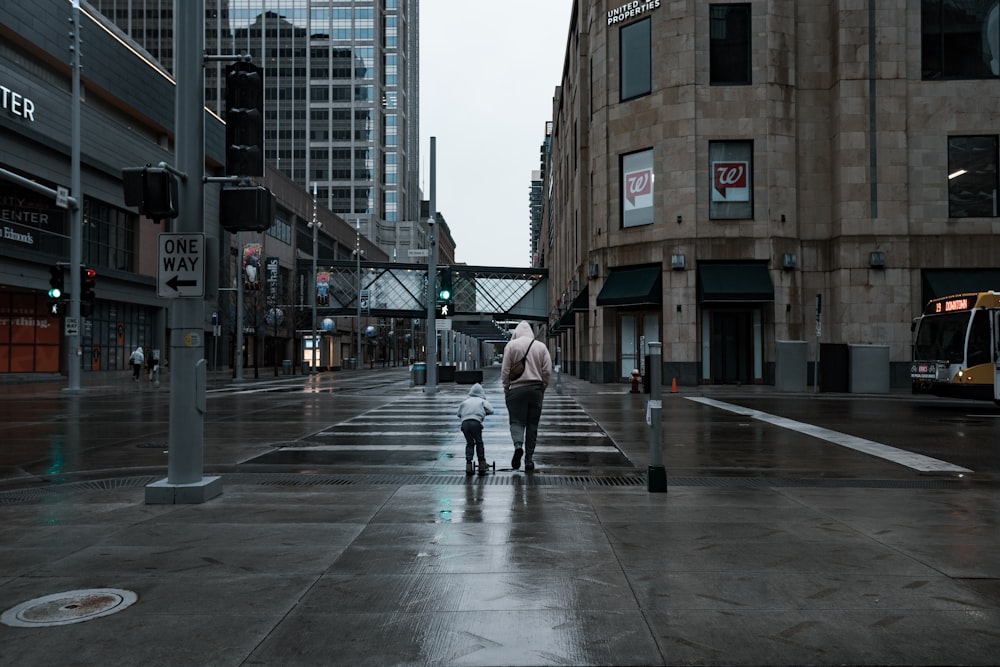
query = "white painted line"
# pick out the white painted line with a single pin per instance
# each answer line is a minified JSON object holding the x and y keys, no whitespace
{"x":425,"y":434}
{"x":887,"y":452}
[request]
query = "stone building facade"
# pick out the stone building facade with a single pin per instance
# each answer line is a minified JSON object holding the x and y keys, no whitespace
{"x":719,"y":171}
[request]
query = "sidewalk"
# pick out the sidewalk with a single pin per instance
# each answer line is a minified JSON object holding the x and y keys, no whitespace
{"x":512,"y":569}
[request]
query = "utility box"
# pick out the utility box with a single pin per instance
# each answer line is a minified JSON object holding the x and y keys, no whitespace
{"x":869,"y":369}
{"x":791,"y":367}
{"x":834,"y":367}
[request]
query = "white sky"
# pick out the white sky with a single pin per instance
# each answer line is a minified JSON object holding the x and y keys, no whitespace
{"x":488,"y":71}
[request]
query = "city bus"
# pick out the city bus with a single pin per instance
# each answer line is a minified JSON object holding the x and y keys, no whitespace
{"x":956,"y":347}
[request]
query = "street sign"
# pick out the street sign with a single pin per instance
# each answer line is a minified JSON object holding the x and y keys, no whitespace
{"x":62,"y":197}
{"x":363,"y":301}
{"x":442,"y":325}
{"x":71,"y":326}
{"x":180,"y":266}
{"x":418,"y":252}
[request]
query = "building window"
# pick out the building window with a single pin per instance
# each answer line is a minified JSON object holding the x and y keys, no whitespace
{"x":972,"y":177}
{"x":635,"y":60}
{"x":731,"y":178}
{"x":729,"y":49}
{"x":959,"y":39}
{"x":637,"y":188}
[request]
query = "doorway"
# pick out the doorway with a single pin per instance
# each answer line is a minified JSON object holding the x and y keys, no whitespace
{"x":735,"y":347}
{"x":635,"y":330}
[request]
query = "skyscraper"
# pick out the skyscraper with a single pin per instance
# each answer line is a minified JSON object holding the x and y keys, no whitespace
{"x":341,"y":93}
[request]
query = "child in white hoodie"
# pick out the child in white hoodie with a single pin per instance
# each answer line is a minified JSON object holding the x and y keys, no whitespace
{"x":472,"y":412}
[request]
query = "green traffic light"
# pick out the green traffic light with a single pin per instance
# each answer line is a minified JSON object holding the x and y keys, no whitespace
{"x":444,"y":295}
{"x":55,"y":293}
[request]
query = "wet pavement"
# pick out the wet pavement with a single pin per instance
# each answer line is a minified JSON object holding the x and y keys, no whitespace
{"x":796,"y":529}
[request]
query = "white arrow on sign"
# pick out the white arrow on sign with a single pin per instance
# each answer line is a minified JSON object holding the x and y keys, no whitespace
{"x":180,"y":271}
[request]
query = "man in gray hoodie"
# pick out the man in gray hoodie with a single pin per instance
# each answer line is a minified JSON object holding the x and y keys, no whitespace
{"x":472,"y":412}
{"x":524,"y":392}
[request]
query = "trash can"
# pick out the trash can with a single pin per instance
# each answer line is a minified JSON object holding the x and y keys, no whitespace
{"x":286,"y":367}
{"x":350,"y":364}
{"x":419,"y":374}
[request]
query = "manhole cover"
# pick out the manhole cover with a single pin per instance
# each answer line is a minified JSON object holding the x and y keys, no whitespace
{"x":69,"y":607}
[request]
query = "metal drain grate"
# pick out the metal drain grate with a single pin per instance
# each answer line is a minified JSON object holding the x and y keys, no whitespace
{"x":309,"y":479}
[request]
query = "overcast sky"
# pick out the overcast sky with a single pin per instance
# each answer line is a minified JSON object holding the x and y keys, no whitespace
{"x":488,"y":71}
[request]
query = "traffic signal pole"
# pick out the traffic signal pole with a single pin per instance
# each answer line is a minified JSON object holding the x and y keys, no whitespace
{"x":74,"y":352}
{"x":431,"y":338}
{"x":185,"y":482}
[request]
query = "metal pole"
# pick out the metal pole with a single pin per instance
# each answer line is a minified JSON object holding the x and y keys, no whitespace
{"x":657,"y":472}
{"x":431,"y":336}
{"x":313,"y":366}
{"x":73,"y":349}
{"x":357,"y":254}
{"x":238,"y":326}
{"x":558,"y":369}
{"x":185,"y":462}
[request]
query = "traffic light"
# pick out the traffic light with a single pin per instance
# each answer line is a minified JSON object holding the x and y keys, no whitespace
{"x":153,"y":190}
{"x":88,"y":281}
{"x":244,"y":120}
{"x":56,"y":289}
{"x":246,"y":209}
{"x":444,"y":295}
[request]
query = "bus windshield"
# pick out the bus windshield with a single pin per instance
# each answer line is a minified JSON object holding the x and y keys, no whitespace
{"x":942,"y":337}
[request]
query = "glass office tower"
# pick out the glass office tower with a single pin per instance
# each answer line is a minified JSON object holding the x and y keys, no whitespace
{"x":341,"y":98}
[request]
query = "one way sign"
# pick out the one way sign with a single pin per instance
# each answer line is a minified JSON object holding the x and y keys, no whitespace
{"x":180,"y":266}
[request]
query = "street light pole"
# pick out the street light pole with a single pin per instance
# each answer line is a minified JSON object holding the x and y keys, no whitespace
{"x":313,"y":366}
{"x":357,"y":254}
{"x":76,"y":215}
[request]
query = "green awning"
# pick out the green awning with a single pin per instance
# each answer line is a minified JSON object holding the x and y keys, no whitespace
{"x":635,"y":286}
{"x":945,"y":282}
{"x":742,"y":281}
{"x":568,"y":319}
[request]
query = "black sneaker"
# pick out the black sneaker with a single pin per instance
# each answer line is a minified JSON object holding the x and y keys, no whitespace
{"x":515,"y":462}
{"x":529,"y":465}
{"x":468,"y":468}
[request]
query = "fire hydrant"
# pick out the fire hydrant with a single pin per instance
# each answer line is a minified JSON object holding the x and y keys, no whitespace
{"x":635,"y":379}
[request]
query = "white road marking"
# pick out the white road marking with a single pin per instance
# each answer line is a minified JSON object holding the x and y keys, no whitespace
{"x":887,"y":452}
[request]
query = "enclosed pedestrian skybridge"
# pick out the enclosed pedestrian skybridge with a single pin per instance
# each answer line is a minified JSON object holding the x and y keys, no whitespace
{"x":390,"y":289}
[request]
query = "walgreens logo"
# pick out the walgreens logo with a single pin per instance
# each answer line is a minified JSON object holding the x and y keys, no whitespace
{"x":638,"y":184}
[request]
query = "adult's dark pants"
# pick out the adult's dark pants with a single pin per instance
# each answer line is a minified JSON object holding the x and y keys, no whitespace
{"x":524,"y":404}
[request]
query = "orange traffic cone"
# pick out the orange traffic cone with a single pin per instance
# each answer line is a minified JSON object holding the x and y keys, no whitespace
{"x":673,"y":386}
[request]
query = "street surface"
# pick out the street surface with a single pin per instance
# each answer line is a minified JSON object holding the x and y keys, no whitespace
{"x":798,"y":529}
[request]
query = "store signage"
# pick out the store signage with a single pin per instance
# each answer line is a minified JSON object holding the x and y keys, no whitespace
{"x":16,"y":104}
{"x":631,"y":10}
{"x":730,"y":181}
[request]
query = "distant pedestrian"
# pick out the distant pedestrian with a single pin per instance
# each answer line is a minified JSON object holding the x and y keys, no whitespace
{"x":525,"y":372}
{"x":137,"y":359}
{"x":472,"y":412}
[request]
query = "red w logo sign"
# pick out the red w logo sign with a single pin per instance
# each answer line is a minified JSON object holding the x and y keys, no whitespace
{"x":729,"y":175}
{"x":638,"y":183}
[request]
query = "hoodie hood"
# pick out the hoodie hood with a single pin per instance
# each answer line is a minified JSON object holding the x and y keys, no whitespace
{"x":139,"y":349}
{"x":523,"y":329}
{"x":477,"y":391}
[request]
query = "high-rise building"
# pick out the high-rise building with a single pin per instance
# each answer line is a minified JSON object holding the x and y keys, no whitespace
{"x":736,"y":179}
{"x":341,"y":94}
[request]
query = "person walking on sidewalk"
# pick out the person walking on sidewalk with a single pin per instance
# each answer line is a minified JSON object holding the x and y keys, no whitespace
{"x":525,"y":373}
{"x":136,"y":359}
{"x":472,"y":412}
